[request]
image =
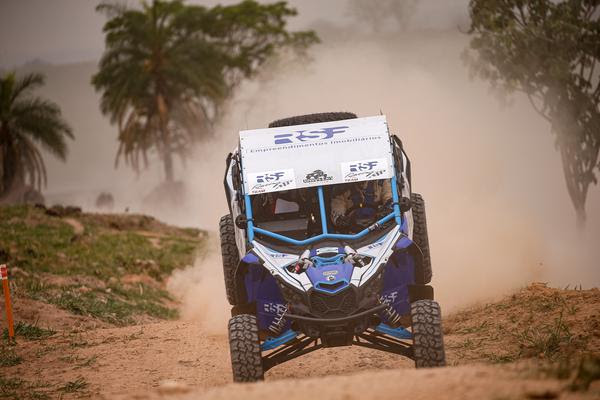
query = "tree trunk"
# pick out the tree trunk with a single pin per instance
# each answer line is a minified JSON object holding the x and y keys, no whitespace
{"x":167,"y":154}
{"x":168,"y":160}
{"x":577,"y":186}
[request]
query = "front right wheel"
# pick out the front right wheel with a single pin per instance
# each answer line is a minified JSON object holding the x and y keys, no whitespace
{"x":428,"y":337}
{"x":244,"y":346}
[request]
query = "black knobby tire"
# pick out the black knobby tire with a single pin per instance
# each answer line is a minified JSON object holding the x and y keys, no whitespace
{"x":230,"y":256}
{"x":428,"y":337}
{"x":312,"y":119}
{"x":244,"y":346}
{"x":420,"y":236}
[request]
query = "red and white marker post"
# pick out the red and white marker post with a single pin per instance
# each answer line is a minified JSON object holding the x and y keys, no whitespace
{"x":6,"y":288}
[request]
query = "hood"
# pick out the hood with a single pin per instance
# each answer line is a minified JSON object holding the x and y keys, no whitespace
{"x":329,"y":273}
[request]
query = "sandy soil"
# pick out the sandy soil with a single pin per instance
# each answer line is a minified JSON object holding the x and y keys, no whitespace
{"x":140,"y":357}
{"x":472,"y":382}
{"x":176,"y":359}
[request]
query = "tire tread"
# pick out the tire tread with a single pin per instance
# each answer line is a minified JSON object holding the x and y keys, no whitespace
{"x":428,"y":336}
{"x":420,"y":236}
{"x":244,"y":345}
{"x":230,"y":257}
{"x":312,"y":118}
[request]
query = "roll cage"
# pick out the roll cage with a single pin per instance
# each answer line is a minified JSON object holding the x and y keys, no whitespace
{"x":401,"y":171}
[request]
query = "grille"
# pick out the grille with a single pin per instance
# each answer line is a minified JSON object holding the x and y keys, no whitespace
{"x":338,"y":305}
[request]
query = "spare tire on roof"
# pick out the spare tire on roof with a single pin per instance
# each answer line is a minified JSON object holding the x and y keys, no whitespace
{"x":312,"y":119}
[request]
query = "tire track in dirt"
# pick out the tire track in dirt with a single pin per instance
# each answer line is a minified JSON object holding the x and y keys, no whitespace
{"x":135,"y":361}
{"x":137,"y":358}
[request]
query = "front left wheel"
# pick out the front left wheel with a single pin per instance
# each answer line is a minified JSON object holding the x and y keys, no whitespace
{"x":230,"y":257}
{"x":244,"y":346}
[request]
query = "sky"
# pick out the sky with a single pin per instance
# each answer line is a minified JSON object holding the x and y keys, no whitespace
{"x":65,"y":31}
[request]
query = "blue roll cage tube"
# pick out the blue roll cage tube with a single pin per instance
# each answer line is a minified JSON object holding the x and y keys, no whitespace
{"x":324,"y":235}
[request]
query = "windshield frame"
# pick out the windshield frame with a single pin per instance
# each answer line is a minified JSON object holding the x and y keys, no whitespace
{"x":395,"y":214}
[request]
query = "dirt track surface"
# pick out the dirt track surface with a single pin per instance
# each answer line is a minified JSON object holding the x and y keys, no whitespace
{"x":136,"y":358}
{"x":176,"y":360}
{"x":488,"y":349}
{"x":473,"y":382}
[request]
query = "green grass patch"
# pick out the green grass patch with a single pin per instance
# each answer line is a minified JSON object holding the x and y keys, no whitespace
{"x":74,"y":386}
{"x":29,"y":331}
{"x":89,"y":362}
{"x":547,"y":340}
{"x":93,"y":263}
{"x":9,"y":386}
{"x":16,"y":388}
{"x":119,"y":306}
{"x":8,"y":356}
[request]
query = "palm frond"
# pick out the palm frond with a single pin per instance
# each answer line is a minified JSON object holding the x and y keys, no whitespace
{"x":28,"y":121}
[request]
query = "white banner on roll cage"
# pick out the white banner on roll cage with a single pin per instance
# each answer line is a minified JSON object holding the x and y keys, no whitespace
{"x":325,"y":153}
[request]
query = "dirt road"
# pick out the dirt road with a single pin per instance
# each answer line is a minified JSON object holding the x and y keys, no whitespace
{"x":132,"y":359}
{"x":179,"y":360}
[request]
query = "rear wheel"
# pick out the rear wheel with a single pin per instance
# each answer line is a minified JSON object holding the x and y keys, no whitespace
{"x":312,"y":119}
{"x":428,"y":337}
{"x":244,"y":345}
{"x":230,"y":256}
{"x":420,"y":236}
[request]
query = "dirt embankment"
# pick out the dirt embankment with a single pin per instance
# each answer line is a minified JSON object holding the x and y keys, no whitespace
{"x":528,"y":345}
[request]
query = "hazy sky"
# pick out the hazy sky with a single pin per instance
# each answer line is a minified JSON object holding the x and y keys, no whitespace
{"x":63,"y":31}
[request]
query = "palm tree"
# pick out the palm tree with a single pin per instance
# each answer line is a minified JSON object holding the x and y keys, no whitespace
{"x":169,"y":67}
{"x":153,"y":76}
{"x":26,"y":122}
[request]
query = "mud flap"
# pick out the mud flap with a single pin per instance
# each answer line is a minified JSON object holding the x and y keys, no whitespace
{"x":420,"y":292}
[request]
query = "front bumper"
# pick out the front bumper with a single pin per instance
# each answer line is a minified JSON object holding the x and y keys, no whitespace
{"x":337,"y":331}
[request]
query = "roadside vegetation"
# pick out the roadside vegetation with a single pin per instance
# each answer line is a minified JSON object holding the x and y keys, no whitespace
{"x":549,"y":331}
{"x":549,"y":51}
{"x":109,"y":267}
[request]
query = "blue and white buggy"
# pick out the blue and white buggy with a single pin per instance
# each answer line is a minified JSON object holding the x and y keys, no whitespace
{"x":295,"y":281}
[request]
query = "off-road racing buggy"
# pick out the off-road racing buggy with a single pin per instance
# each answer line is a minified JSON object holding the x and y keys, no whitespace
{"x":295,"y":281}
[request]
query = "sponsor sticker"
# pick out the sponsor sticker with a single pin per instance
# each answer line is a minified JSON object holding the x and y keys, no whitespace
{"x":271,"y":181}
{"x":308,"y":135}
{"x":273,"y":308}
{"x":317,"y":176}
{"x":374,"y":245}
{"x":325,"y":250}
{"x":389,"y":298}
{"x":365,"y":170}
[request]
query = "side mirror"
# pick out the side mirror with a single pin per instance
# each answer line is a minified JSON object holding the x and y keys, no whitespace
{"x":241,"y":221}
{"x":405,"y":204}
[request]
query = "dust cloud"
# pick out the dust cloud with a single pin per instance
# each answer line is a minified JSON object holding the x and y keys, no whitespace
{"x":201,"y":292}
{"x":498,"y":213}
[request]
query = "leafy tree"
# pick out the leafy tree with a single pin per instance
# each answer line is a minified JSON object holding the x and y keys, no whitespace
{"x":27,"y":122}
{"x":169,"y":67}
{"x":548,"y":50}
